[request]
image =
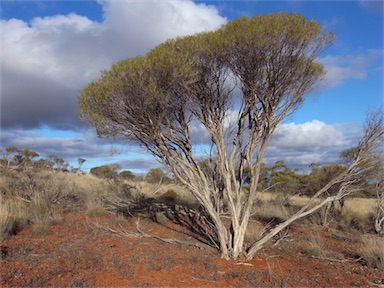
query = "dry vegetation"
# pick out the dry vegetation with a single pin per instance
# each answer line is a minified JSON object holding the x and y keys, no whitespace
{"x":41,"y":198}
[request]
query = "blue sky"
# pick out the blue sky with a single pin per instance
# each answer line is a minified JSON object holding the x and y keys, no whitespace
{"x":52,"y":49}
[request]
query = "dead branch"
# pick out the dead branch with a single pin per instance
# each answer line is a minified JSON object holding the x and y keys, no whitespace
{"x":337,"y":260}
{"x":140,"y":234}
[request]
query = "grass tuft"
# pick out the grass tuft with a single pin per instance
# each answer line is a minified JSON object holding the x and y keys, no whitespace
{"x":372,"y":251}
{"x":13,"y":217}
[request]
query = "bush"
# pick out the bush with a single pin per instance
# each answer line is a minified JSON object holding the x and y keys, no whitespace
{"x":156,"y":175}
{"x":43,"y":212}
{"x":127,"y":175}
{"x":13,"y":217}
{"x":372,"y":251}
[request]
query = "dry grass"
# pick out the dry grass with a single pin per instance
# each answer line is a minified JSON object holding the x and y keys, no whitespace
{"x":13,"y":217}
{"x":156,"y":191}
{"x":43,"y":211}
{"x":30,"y":196}
{"x":95,"y":209}
{"x":356,"y":214}
{"x":372,"y":251}
{"x":314,"y":247}
{"x":48,"y":190}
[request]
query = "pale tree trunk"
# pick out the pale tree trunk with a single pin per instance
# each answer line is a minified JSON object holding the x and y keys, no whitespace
{"x":379,"y":217}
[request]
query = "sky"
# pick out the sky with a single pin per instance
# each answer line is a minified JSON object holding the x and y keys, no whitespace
{"x":51,"y":50}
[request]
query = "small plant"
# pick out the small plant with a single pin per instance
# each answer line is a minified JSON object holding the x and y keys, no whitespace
{"x":40,"y":229}
{"x":313,"y":248}
{"x":120,"y":220}
{"x":372,"y":251}
{"x":13,"y":217}
{"x":43,"y":211}
{"x":96,"y":210}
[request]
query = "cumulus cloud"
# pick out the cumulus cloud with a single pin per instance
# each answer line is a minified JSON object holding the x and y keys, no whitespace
{"x":140,"y":165}
{"x":297,"y":144}
{"x":69,"y":148}
{"x":343,"y":67}
{"x":313,"y":135}
{"x":47,"y":62}
{"x":311,"y":142}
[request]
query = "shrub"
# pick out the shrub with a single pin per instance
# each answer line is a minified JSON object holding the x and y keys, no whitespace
{"x":96,"y":210}
{"x":13,"y":217}
{"x":314,"y":247}
{"x":42,"y":211}
{"x":372,"y":251}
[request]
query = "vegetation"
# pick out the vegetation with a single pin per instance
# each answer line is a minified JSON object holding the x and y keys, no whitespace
{"x":106,"y":171}
{"x":239,"y":83}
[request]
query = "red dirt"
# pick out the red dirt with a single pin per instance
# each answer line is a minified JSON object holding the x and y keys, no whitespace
{"x":76,"y":255}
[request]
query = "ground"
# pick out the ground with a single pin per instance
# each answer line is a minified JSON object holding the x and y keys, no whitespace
{"x":78,"y":252}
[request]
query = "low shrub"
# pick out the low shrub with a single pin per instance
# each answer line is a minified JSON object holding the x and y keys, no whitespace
{"x":314,"y":247}
{"x":96,"y":210}
{"x":372,"y":251}
{"x":13,"y":217}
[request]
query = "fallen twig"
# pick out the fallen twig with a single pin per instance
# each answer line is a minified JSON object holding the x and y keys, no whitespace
{"x":337,"y":260}
{"x":140,"y":233}
{"x":167,"y":240}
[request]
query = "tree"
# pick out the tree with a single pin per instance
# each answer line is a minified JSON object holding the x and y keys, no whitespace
{"x":106,"y":171}
{"x":239,"y":83}
{"x":10,"y":153}
{"x":320,"y":176}
{"x":81,"y":162}
{"x":157,"y":176}
{"x":127,"y":175}
{"x":284,"y":178}
{"x":59,"y":162}
{"x":27,"y":156}
{"x":379,"y":214}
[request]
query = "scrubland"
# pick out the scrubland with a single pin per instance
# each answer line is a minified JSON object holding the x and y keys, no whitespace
{"x":37,"y":201}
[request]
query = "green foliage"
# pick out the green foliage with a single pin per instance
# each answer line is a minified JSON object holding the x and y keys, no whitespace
{"x":156,"y":176}
{"x":105,"y":171}
{"x":320,"y":176}
{"x":127,"y":175}
{"x":160,"y":84}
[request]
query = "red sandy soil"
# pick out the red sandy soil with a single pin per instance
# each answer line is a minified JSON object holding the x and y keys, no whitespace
{"x":76,"y":254}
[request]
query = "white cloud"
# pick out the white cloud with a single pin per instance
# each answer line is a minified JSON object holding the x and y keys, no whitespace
{"x":47,"y":62}
{"x":343,"y":67}
{"x":298,"y":144}
{"x":314,"y":135}
{"x":58,"y":55}
{"x":311,"y":142}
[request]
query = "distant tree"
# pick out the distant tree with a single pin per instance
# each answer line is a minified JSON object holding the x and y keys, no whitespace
{"x":115,"y":167}
{"x":105,"y":171}
{"x":42,"y":164}
{"x":239,"y":83}
{"x":81,"y":162}
{"x":28,"y":156}
{"x":10,"y":153}
{"x":320,"y":176}
{"x":127,"y":175}
{"x":283,"y":179}
{"x":156,"y":176}
{"x":59,"y":162}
